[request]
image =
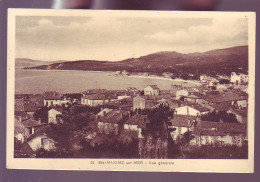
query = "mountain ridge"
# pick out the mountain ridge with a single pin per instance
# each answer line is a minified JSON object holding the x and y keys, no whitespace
{"x":222,"y":60}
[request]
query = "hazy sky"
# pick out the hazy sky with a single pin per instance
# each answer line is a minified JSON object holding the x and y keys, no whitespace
{"x":113,"y":39}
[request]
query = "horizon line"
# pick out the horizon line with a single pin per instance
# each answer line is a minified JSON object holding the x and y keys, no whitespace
{"x":130,"y":57}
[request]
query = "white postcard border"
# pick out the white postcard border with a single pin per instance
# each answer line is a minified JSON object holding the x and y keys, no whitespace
{"x":177,"y":165}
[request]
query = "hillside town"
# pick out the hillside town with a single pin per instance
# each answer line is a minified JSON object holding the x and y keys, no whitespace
{"x":181,"y":122}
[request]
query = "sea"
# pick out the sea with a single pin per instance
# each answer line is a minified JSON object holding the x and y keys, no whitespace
{"x":29,"y":81}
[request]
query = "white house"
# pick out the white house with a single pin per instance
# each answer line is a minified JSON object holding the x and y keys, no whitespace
{"x":97,"y":99}
{"x":194,"y":110}
{"x":53,"y":115}
{"x":239,"y":78}
{"x":41,"y":141}
{"x":180,"y":124}
{"x":121,"y":97}
{"x":181,"y":93}
{"x":151,"y":90}
{"x":56,"y":102}
{"x":54,"y":99}
{"x":136,"y":123}
{"x":23,"y":128}
{"x":143,"y":102}
{"x":207,"y":132}
{"x":111,"y":121}
{"x":20,"y":131}
{"x":103,"y":112}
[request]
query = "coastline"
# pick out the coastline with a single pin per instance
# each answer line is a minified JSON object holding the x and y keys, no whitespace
{"x":163,"y":78}
{"x":64,"y":70}
{"x":130,"y":75}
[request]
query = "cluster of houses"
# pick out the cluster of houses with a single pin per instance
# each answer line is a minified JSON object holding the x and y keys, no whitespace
{"x":29,"y":131}
{"x":188,"y":104}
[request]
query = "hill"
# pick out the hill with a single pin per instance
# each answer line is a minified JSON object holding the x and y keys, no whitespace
{"x":23,"y":62}
{"x":220,"y":61}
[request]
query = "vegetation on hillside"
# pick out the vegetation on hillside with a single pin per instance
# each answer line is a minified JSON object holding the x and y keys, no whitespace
{"x":186,"y":66}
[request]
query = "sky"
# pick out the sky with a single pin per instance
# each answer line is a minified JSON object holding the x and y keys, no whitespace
{"x":51,"y":38}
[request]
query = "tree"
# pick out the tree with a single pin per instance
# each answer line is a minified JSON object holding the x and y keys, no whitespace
{"x":157,"y":134}
{"x":79,"y":116}
{"x":60,"y":133}
{"x":42,"y":114}
{"x":158,"y":121}
{"x":219,"y":116}
{"x":185,"y":138}
{"x":224,"y":81}
{"x":128,"y":144}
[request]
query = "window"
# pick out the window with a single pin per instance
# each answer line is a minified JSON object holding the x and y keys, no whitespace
{"x":179,"y":130}
{"x":44,"y":141}
{"x":31,"y":130}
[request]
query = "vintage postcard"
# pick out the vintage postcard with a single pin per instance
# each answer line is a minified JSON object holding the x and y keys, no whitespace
{"x":131,"y":90}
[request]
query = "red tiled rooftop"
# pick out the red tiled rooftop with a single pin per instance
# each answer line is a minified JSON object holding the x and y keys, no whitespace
{"x":95,"y":97}
{"x":219,"y":128}
{"x":182,"y":120}
{"x":44,"y":130}
{"x":226,"y":96}
{"x":30,"y":107}
{"x":114,"y":116}
{"x":52,"y":96}
{"x":31,"y":123}
{"x":138,"y":119}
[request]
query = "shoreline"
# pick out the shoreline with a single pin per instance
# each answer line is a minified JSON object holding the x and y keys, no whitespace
{"x":63,"y":70}
{"x":163,"y":78}
{"x":130,"y":75}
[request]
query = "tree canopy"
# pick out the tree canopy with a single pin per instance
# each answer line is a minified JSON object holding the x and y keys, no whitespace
{"x":219,"y":116}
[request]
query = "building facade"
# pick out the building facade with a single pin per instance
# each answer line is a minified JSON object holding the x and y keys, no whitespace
{"x":152,"y":90}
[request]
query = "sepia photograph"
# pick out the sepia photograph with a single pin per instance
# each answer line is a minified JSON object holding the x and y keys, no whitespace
{"x":163,"y":91}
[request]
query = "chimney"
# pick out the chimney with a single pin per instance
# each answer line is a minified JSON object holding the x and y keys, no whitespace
{"x":129,"y":114}
{"x":20,"y":119}
{"x":40,"y":121}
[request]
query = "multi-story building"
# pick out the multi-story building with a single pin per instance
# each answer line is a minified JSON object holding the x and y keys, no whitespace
{"x":152,"y":90}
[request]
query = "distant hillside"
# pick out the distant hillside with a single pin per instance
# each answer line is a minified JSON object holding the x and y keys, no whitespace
{"x":23,"y":62}
{"x":221,"y":61}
